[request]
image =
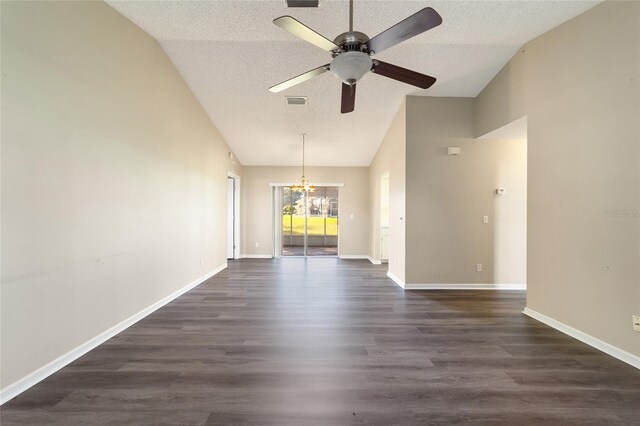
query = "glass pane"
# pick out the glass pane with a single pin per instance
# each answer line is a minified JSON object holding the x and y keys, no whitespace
{"x":332,"y":212}
{"x":322,"y":205}
{"x":292,"y":222}
{"x":315,"y":220}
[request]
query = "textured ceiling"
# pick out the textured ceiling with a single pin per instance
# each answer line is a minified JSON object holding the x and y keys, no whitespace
{"x":229,"y":53}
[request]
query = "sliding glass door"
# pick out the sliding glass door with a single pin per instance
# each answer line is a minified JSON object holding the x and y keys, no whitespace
{"x":309,"y":222}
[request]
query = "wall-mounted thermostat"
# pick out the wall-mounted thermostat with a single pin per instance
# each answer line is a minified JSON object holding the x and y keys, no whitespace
{"x":501,"y":191}
{"x":453,"y":150}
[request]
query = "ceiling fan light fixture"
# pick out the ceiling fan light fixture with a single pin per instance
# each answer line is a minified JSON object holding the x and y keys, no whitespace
{"x":349,"y":67}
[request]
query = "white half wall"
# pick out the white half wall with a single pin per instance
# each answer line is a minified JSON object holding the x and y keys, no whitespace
{"x":391,"y":159}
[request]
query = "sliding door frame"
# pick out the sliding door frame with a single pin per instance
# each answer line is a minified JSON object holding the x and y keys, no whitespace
{"x":276,"y":195}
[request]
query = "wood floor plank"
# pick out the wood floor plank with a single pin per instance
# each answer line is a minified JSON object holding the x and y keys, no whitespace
{"x":329,"y":341}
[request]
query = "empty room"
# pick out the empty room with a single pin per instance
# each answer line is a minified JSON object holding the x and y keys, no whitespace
{"x":320,"y":212}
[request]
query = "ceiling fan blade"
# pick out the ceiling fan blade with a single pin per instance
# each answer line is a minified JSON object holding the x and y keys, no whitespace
{"x":348,"y":98}
{"x":299,"y":29}
{"x":299,"y":79}
{"x":415,"y":24}
{"x":402,"y":74}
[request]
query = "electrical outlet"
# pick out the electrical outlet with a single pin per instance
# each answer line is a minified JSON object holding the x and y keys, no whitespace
{"x":636,"y":322}
{"x":479,"y":267}
{"x":257,"y":244}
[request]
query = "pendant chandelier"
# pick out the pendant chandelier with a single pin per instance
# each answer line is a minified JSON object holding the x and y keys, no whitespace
{"x":304,"y":184}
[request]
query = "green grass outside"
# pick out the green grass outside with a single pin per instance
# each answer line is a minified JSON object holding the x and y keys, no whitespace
{"x":315,"y":225}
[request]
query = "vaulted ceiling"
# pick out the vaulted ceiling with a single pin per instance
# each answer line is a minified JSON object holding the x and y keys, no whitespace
{"x":230,"y":53}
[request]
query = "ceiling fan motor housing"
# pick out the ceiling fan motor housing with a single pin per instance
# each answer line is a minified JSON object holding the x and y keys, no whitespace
{"x":351,"y":40}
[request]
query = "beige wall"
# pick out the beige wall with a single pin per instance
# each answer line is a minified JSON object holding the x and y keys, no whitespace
{"x":579,"y":86}
{"x":257,"y":217}
{"x":113,"y":179}
{"x":390,"y":158}
{"x":447,"y":197}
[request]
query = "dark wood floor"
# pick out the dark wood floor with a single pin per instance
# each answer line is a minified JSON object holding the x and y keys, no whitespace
{"x":328,"y":341}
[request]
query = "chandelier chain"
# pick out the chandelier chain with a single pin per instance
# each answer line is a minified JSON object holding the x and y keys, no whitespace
{"x":304,"y":135}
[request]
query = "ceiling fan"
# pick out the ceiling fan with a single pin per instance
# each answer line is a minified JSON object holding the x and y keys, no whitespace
{"x":352,"y":52}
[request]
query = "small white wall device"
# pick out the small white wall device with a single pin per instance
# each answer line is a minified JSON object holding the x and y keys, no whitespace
{"x":501,"y":191}
{"x":453,"y":150}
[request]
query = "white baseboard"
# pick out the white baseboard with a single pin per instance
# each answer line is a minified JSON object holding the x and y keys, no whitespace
{"x":257,"y":256}
{"x":461,"y":286}
{"x":445,"y":286}
{"x":594,"y":342}
{"x":21,"y":385}
{"x":360,"y":256}
{"x":396,"y":279}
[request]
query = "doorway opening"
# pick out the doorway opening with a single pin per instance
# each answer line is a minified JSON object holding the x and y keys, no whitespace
{"x":308,"y":222}
{"x":508,"y":217}
{"x":233,"y":216}
{"x":384,"y":217}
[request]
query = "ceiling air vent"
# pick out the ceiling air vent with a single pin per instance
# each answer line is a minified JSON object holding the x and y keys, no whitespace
{"x":302,"y":3}
{"x":296,"y":100}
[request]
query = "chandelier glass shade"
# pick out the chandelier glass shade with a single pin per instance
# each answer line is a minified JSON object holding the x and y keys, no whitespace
{"x":304,"y":184}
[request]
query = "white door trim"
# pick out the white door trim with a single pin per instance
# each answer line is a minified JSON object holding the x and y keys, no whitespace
{"x":236,"y":221}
